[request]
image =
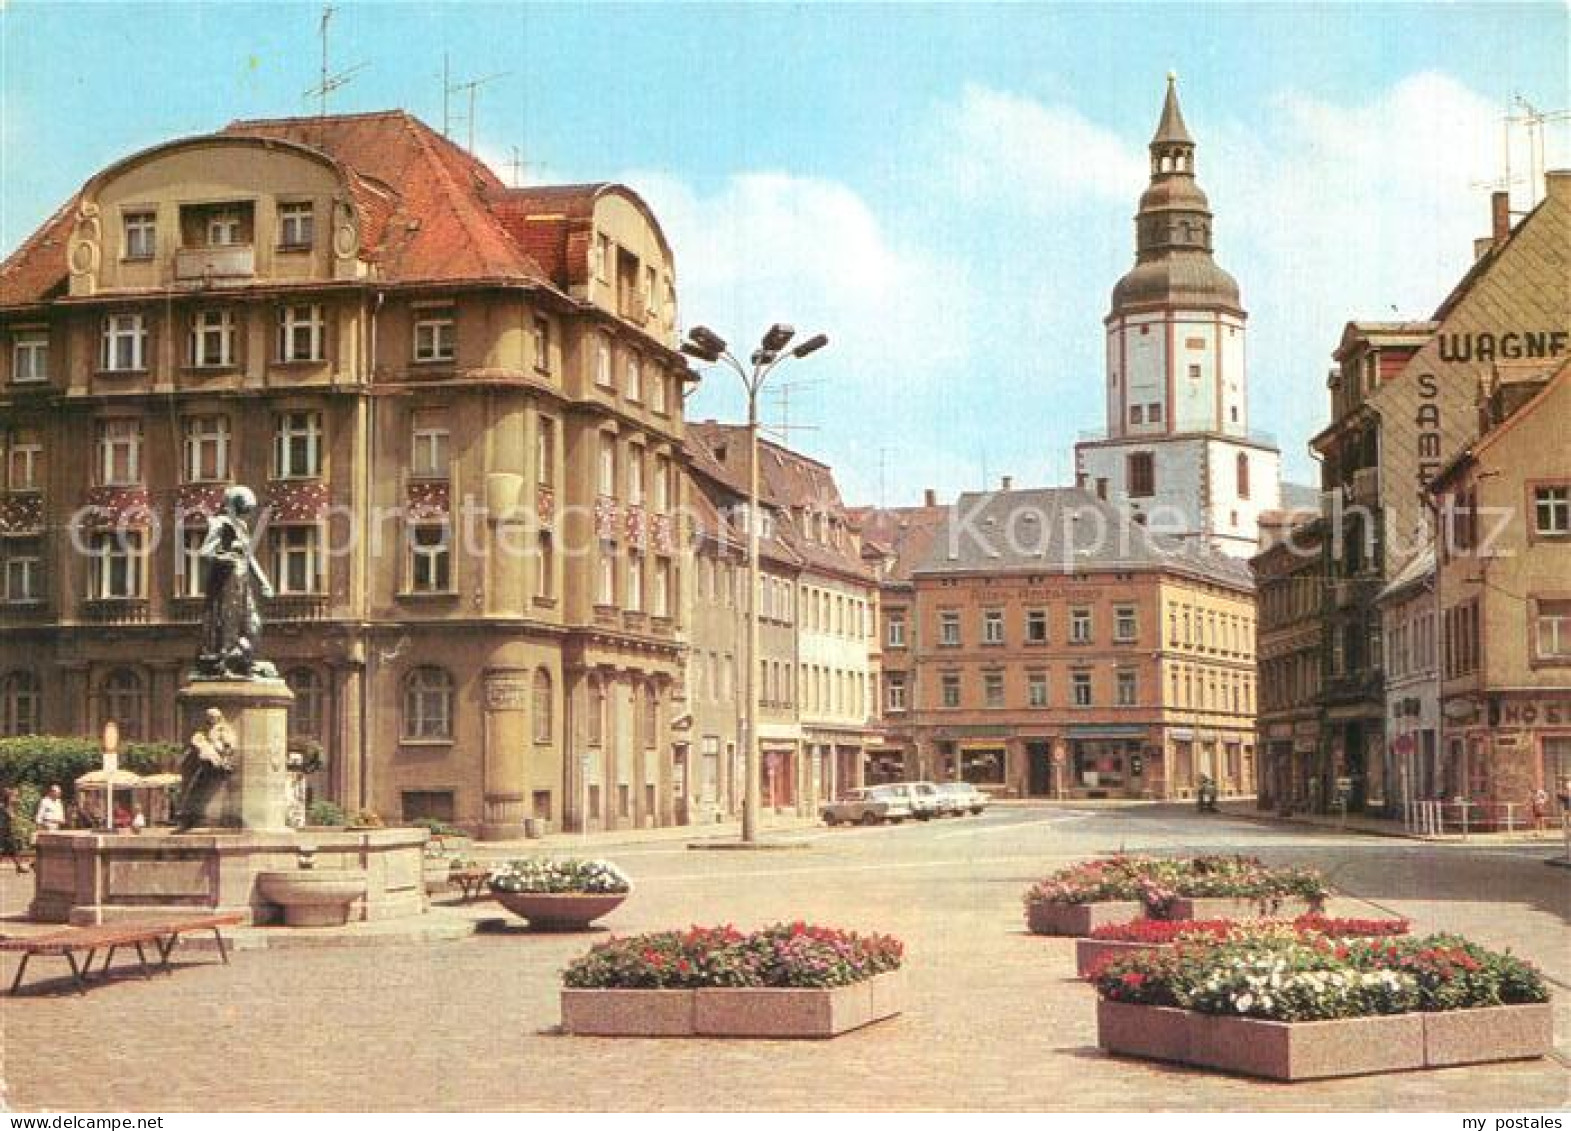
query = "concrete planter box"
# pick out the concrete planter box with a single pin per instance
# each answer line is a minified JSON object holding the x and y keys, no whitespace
{"x":1152,"y":1032}
{"x":780,"y":1013}
{"x":1078,"y":919}
{"x":1306,"y":1050}
{"x":560,"y":911}
{"x":628,"y":1013}
{"x":1227,"y":907}
{"x":1476,"y":1036}
{"x":1091,"y":953}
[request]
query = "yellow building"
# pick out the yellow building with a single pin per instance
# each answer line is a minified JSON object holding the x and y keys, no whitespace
{"x":1505,"y":596}
{"x":461,"y":407}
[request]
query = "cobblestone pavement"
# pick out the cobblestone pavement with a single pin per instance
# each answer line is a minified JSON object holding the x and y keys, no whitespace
{"x":994,"y":1019}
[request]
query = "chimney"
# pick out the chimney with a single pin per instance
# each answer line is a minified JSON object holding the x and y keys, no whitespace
{"x":1006,"y":482}
{"x":929,"y":498}
{"x":1500,"y":216}
{"x":1482,"y":247}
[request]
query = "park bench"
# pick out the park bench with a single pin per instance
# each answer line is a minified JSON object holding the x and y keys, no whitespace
{"x":470,"y":881}
{"x":111,"y":937}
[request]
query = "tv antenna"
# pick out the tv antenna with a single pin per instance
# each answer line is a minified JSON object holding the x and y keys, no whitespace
{"x":466,"y":87}
{"x":329,"y":81}
{"x":1527,"y":117}
{"x":781,"y":395}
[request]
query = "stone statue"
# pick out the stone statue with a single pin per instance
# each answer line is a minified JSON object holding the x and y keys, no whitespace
{"x":207,"y":762}
{"x":231,"y":623}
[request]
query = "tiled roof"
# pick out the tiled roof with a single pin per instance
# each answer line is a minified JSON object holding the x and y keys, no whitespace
{"x":792,"y":483}
{"x":444,"y":196}
{"x":902,"y":535}
{"x":722,"y":490}
{"x":428,"y":210}
{"x":36,"y":271}
{"x":1064,"y":530}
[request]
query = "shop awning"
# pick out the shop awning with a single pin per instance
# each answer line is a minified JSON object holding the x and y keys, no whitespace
{"x":1108,"y":730}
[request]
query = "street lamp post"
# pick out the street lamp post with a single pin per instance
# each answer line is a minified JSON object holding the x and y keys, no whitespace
{"x":705,"y":345}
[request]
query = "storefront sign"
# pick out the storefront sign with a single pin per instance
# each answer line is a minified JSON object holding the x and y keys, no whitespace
{"x":1531,"y":712}
{"x":1511,"y":345}
{"x":1427,"y":421}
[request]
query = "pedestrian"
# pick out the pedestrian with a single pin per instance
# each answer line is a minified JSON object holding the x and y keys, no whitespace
{"x":50,"y":816}
{"x":10,"y":835}
{"x":1540,"y":809}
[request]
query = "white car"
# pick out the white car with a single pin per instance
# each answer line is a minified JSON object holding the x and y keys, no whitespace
{"x":926,"y":803}
{"x":870,"y":806}
{"x":961,"y":797}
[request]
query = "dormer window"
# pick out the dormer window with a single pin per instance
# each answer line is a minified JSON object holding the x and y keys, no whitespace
{"x":296,"y":225}
{"x":140,"y":232}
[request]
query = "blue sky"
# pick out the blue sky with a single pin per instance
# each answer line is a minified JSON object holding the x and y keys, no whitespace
{"x":947,"y":190}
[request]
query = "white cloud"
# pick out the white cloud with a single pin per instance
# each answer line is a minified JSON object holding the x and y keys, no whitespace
{"x":765,"y":247}
{"x":964,"y":282}
{"x":1000,"y":145}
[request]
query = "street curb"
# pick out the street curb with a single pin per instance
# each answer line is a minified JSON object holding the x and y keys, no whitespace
{"x":745,"y":846}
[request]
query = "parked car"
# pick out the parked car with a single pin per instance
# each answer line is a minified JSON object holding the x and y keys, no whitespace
{"x":870,"y":806}
{"x":961,"y":797}
{"x":926,"y":802}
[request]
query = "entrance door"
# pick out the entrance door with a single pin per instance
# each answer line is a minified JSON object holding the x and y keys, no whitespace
{"x":1039,"y":757}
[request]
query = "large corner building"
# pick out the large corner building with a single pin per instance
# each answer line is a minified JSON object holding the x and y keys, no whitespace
{"x":461,"y":407}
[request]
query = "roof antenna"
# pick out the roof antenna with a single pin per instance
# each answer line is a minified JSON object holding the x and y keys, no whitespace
{"x":330,"y":82}
{"x":471,"y":86}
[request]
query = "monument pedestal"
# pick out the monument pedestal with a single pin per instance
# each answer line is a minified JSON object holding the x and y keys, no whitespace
{"x":255,"y":793}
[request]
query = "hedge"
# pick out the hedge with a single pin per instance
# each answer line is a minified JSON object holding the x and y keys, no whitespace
{"x":40,"y":760}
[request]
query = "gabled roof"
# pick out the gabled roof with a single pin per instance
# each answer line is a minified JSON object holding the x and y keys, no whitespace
{"x":902,"y":536}
{"x":792,"y":483}
{"x":1416,"y":571}
{"x":448,"y":230}
{"x":427,"y":210}
{"x":1065,"y":530}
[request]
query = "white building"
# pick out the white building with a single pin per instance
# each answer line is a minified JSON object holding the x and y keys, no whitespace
{"x":1177,"y":448}
{"x":1409,"y":619}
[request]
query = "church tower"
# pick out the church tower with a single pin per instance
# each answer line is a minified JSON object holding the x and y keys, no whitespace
{"x":1177,"y":449}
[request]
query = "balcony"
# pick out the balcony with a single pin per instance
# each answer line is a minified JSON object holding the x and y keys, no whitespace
{"x":115,"y":610}
{"x":1364,"y":487}
{"x":295,"y":607}
{"x":215,"y":263}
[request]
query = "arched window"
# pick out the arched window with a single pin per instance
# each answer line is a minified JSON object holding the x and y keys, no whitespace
{"x":21,"y":710}
{"x":596,"y":735}
{"x":542,"y":692}
{"x":305,"y":715}
{"x":651,"y":717}
{"x":123,"y":698}
{"x":428,"y":704}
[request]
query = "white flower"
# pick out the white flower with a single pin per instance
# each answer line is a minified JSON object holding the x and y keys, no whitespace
{"x":1244,"y":1002}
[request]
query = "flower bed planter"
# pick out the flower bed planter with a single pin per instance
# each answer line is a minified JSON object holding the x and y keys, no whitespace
{"x":1151,"y":1032}
{"x":741,"y":1012}
{"x":1313,"y":1050}
{"x":628,"y":1013}
{"x":1230,"y":907}
{"x":1477,"y":1036}
{"x":1090,"y":953}
{"x":560,"y":911}
{"x":1306,"y":1050}
{"x":1079,"y":919}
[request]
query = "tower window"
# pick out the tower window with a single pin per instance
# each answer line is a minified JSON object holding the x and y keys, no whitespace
{"x":1194,"y":373}
{"x":1154,"y":413}
{"x":1141,"y":475}
{"x":1243,"y":472}
{"x":1136,"y":414}
{"x":1234,"y":412}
